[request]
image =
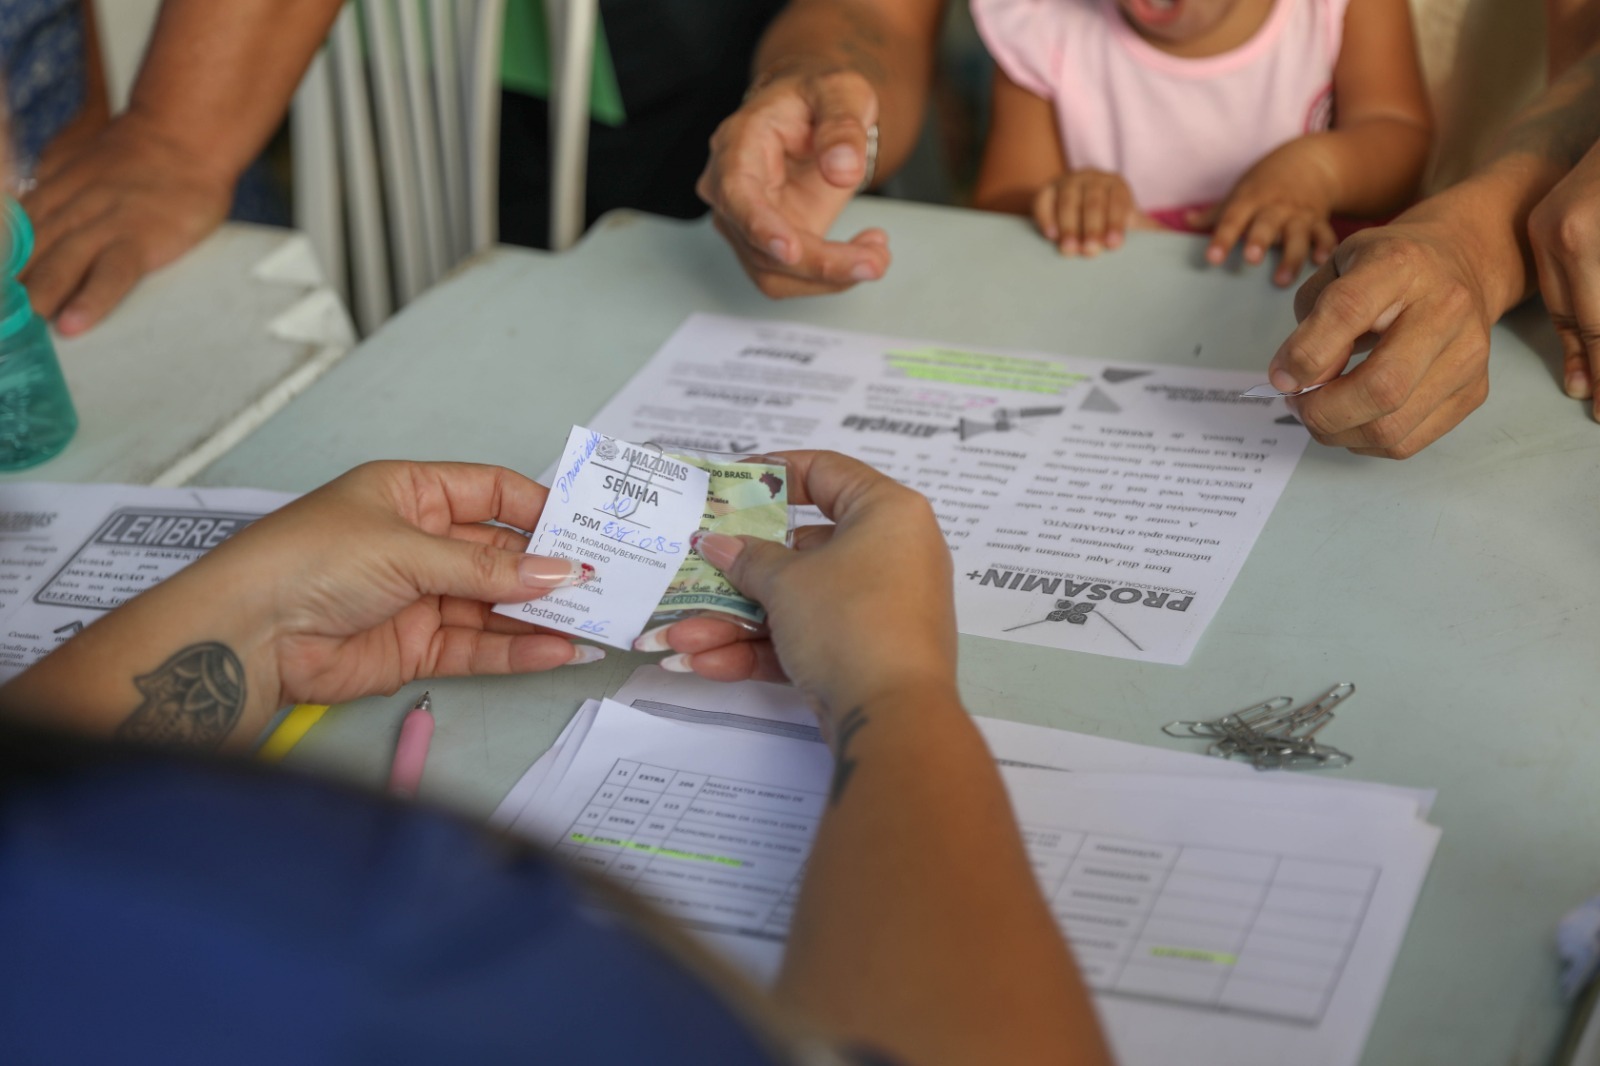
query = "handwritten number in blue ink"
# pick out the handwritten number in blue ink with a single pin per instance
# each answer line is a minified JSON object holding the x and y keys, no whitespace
{"x":591,"y":626}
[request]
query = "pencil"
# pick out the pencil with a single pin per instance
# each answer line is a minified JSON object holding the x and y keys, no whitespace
{"x":296,"y":724}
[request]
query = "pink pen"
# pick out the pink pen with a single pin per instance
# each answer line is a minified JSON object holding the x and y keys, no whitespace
{"x":412,"y":751}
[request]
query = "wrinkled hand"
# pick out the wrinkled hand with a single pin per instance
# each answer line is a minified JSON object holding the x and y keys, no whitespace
{"x":1283,"y":200}
{"x":855,"y":610}
{"x":1086,"y":211}
{"x":1413,"y":288}
{"x":387,"y":574}
{"x":107,"y":211}
{"x":1564,"y":231}
{"x":781,"y":170}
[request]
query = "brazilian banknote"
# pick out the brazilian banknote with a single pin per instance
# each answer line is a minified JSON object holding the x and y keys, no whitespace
{"x":748,"y":499}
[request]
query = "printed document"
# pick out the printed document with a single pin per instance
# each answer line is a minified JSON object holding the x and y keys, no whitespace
{"x":1238,"y":919}
{"x":70,"y":553}
{"x":1093,"y":505}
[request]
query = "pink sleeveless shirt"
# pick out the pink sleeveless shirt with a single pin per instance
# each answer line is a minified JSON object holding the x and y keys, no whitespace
{"x":1181,"y":132}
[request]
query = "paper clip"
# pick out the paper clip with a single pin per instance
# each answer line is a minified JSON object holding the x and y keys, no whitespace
{"x":1271,"y":736}
{"x":1216,"y":727}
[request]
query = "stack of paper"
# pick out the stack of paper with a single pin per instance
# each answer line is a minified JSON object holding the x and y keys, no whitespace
{"x":1218,"y":914}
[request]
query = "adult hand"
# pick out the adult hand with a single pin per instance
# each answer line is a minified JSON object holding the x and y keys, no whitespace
{"x":781,"y":170}
{"x":1415,"y":289}
{"x":381,"y":577}
{"x":387,"y":575}
{"x":1564,"y":230}
{"x":1085,"y":212}
{"x":1285,"y":199}
{"x":109,"y":210}
{"x":860,"y":609}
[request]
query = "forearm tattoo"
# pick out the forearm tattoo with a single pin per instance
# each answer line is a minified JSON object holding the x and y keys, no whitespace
{"x":194,"y":699}
{"x":1562,"y":132}
{"x":843,"y":764}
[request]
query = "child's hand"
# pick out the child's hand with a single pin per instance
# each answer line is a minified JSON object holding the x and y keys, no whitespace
{"x":1284,"y":199}
{"x":1085,"y":211}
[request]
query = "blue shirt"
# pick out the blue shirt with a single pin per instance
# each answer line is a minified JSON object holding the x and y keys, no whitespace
{"x":174,"y":911}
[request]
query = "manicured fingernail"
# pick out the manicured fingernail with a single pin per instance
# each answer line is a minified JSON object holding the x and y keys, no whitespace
{"x":585,"y":653}
{"x":1253,"y":253}
{"x":841,"y":159}
{"x":719,"y":549}
{"x":1051,"y":233}
{"x":1283,"y":381}
{"x":1578,"y":385}
{"x":678,"y":664}
{"x":1215,"y":255}
{"x":862,"y":272}
{"x":653,"y":640}
{"x":779,"y":249}
{"x":1069,"y":246}
{"x":544,"y":572}
{"x":1113,"y":240}
{"x":1091,"y":248}
{"x":72,"y":321}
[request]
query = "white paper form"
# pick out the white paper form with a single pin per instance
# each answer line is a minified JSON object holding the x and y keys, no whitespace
{"x":781,"y":709}
{"x":710,"y":825}
{"x":1093,"y":505}
{"x":1216,"y":919}
{"x":627,"y":512}
{"x":70,"y":553}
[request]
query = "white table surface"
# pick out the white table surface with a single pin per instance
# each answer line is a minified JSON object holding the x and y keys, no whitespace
{"x":199,"y":354}
{"x":1457,"y":589}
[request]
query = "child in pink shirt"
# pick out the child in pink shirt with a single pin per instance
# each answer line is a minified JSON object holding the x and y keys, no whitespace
{"x":1258,"y":120}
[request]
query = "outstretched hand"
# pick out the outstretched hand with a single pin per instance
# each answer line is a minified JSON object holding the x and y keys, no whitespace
{"x":781,"y":170}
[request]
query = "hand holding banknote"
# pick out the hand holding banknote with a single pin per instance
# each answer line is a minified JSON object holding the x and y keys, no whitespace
{"x":854,"y":610}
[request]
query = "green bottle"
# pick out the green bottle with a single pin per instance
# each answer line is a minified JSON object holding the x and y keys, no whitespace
{"x":36,"y":415}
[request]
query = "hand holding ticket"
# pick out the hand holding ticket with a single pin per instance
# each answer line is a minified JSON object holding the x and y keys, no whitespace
{"x":626,"y":510}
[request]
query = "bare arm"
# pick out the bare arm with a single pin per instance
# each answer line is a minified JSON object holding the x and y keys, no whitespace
{"x":1571,"y":27}
{"x":920,"y":929}
{"x":1379,"y":144}
{"x":920,"y":923}
{"x":889,"y":43}
{"x":1023,"y":152}
{"x":1367,"y":165}
{"x":215,"y":83}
